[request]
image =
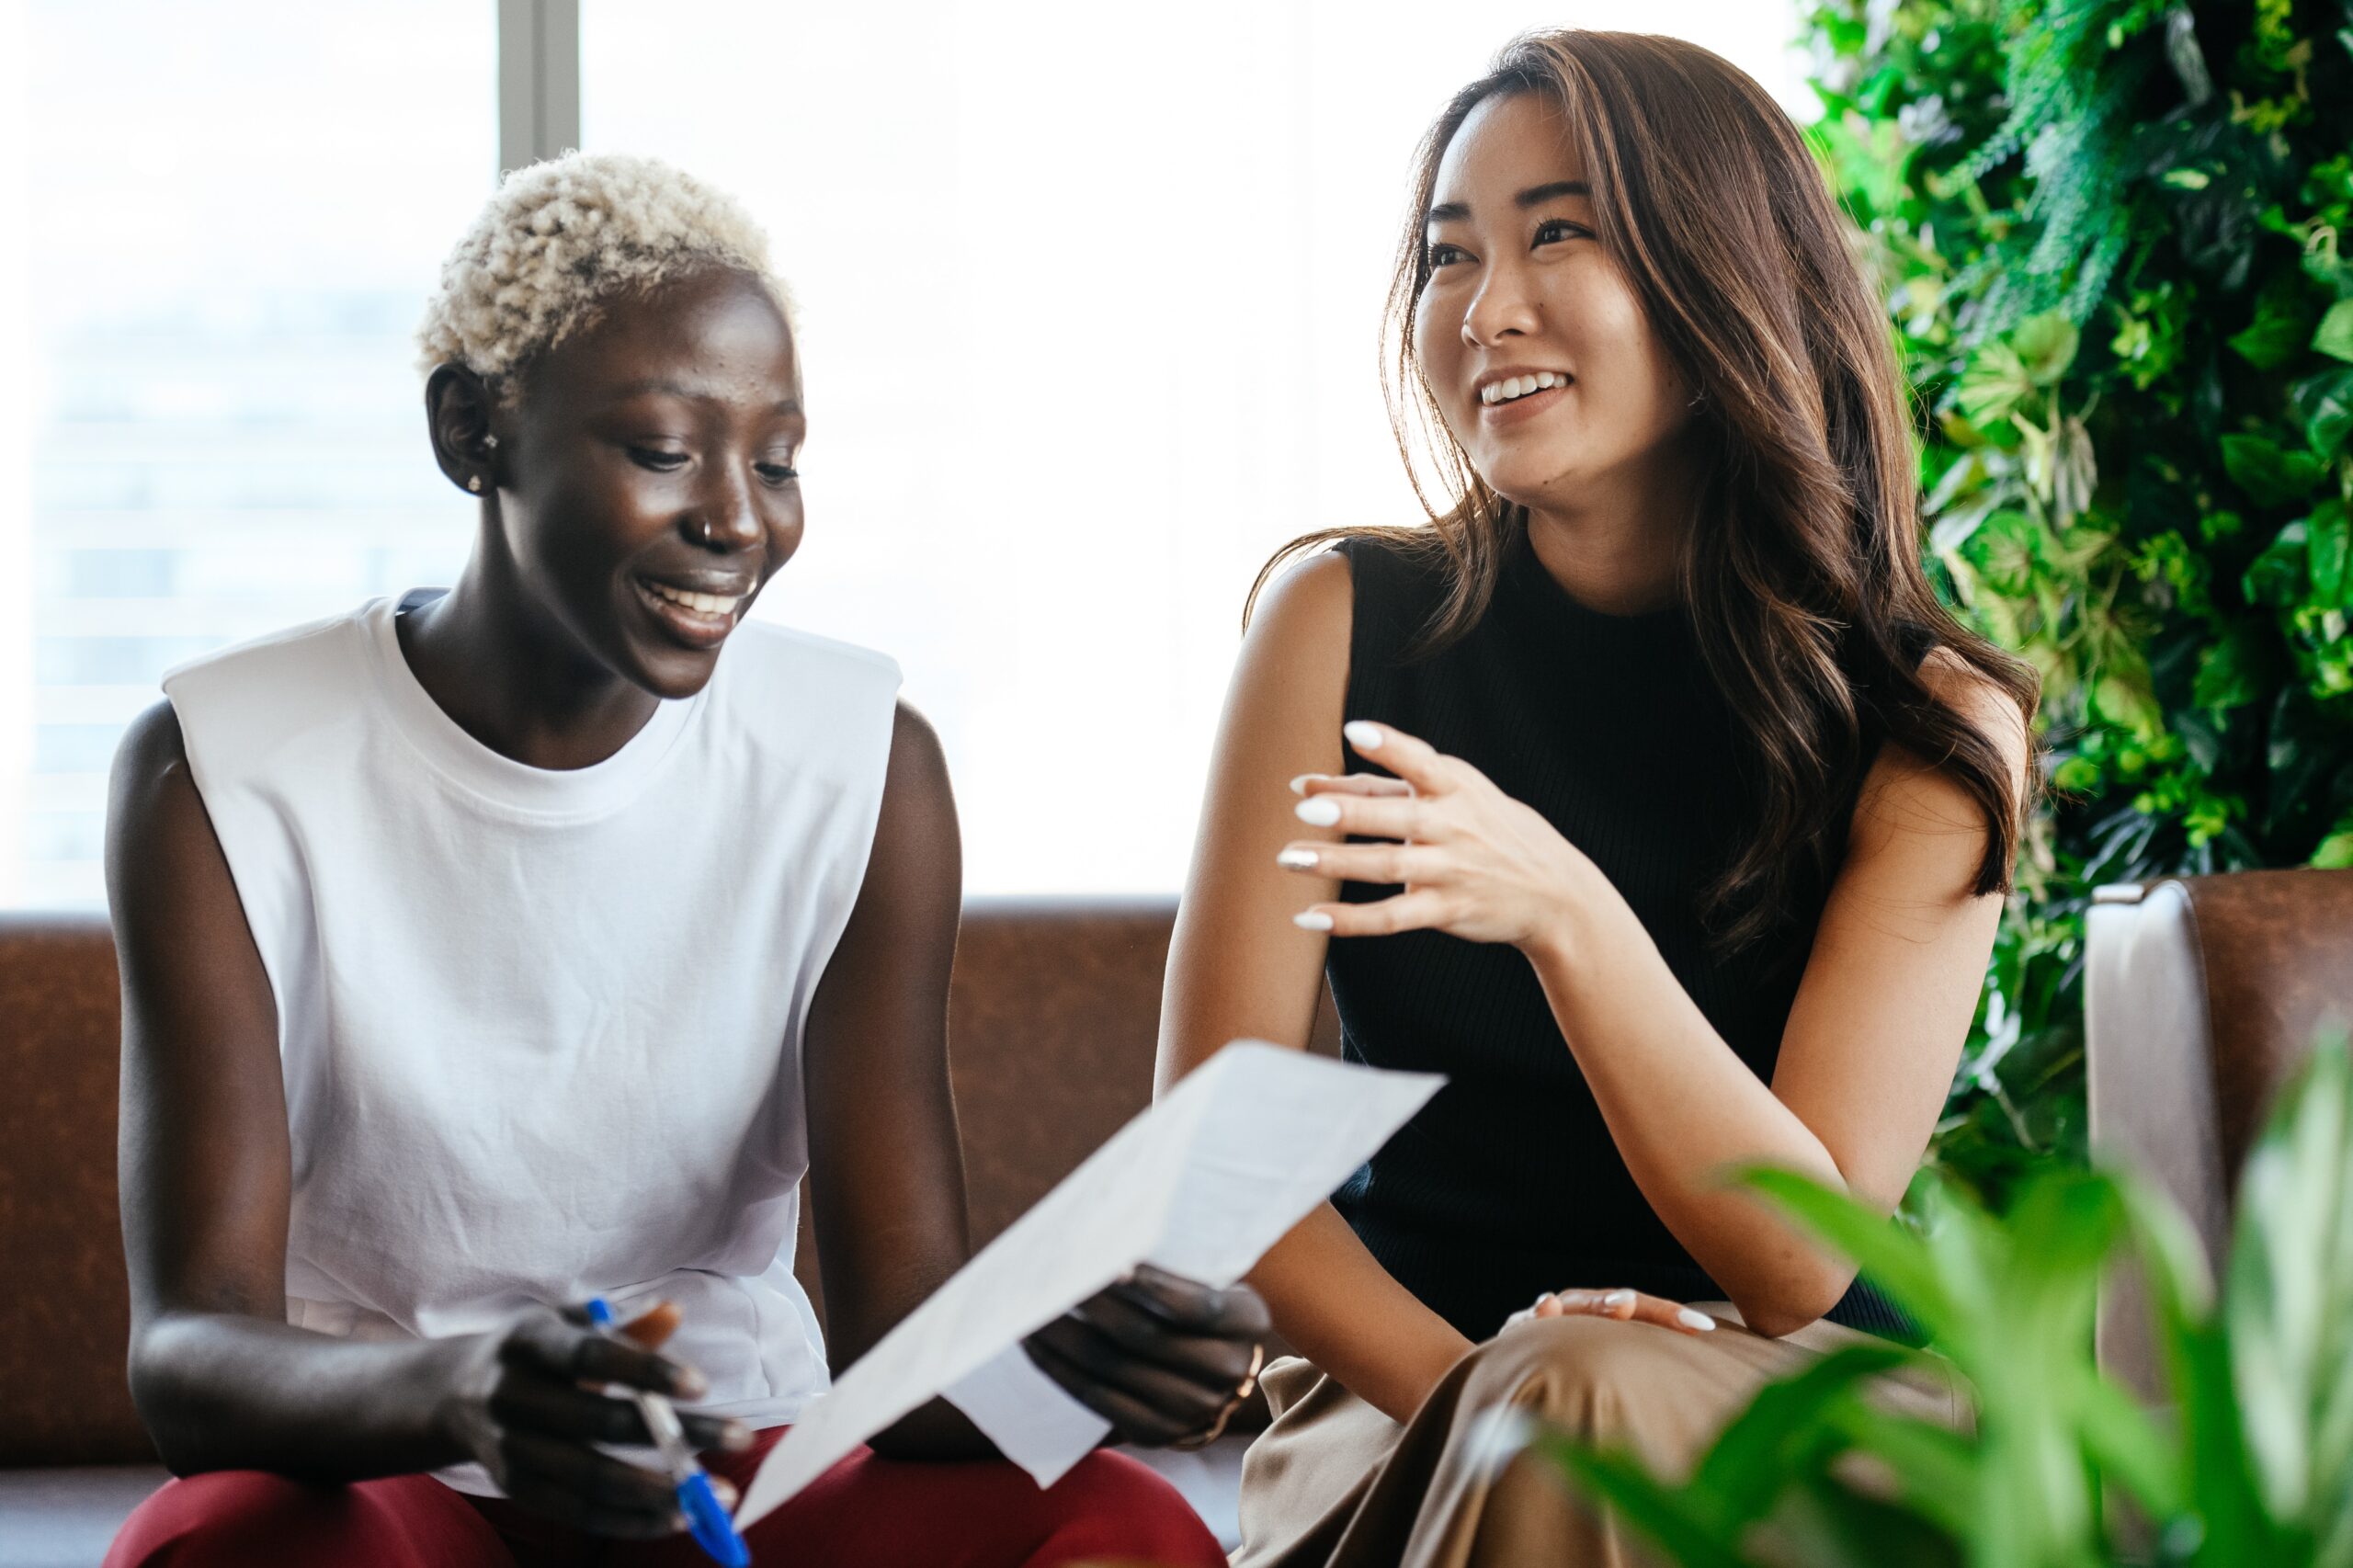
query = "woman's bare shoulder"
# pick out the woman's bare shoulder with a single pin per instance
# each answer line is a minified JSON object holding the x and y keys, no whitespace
{"x":1311,"y":599}
{"x":1977,"y":698}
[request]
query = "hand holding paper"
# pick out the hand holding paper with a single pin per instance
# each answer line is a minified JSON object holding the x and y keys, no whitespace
{"x":1157,"y":1356}
{"x":1199,"y":1185}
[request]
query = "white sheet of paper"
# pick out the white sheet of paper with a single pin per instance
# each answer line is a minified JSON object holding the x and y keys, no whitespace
{"x":1032,"y":1419}
{"x":1200,"y":1183}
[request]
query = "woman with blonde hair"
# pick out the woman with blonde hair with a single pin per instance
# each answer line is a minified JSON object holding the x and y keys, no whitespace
{"x":1648,"y":792}
{"x":490,"y":951}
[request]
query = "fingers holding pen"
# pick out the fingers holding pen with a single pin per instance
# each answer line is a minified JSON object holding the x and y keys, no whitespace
{"x":565,"y":1409}
{"x":565,"y":1344}
{"x":593,"y":1490}
{"x":652,"y":1327}
{"x":532,"y":1401}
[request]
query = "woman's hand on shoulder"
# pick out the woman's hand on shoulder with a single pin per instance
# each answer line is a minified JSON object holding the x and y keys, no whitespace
{"x":524,"y":1401}
{"x":1474,"y":862}
{"x":1162,"y":1359}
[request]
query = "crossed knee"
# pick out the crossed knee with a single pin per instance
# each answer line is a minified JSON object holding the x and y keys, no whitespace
{"x":1586,"y":1376}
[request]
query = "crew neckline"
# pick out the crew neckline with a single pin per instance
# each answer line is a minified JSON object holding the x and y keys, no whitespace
{"x":444,"y":744}
{"x":1522,"y":565}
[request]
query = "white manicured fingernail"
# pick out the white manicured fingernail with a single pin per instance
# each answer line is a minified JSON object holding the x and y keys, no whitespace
{"x":1312,"y":920}
{"x":1299,"y":785}
{"x":1321,"y":812}
{"x":1362,"y":734}
{"x":1297,"y":860}
{"x":1613,"y":1300}
{"x":1690,"y":1318}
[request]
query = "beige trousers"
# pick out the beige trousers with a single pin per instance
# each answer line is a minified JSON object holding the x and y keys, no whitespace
{"x":1335,"y":1482}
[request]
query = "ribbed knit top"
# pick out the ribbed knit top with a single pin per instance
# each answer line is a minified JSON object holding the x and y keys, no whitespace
{"x":1507,"y":1183}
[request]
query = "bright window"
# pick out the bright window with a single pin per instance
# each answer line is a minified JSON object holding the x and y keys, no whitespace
{"x":1089,"y":299}
{"x":234,"y":214}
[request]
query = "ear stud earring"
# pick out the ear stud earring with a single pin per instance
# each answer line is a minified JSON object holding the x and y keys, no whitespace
{"x":474,"y":484}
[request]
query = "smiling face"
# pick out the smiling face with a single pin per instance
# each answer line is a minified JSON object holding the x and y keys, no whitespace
{"x":1533,"y":343}
{"x":650,"y":490}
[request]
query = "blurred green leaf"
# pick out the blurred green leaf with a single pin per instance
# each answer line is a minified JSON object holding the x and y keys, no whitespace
{"x":2328,"y":534}
{"x":2127,"y":1447}
{"x":2334,"y":335}
{"x":2322,"y":405}
{"x":2279,"y":574}
{"x":1993,"y":385}
{"x":2230,"y":673}
{"x":2269,"y":473}
{"x":2289,"y":1296}
{"x":1756,"y":1455}
{"x":2046,"y":347}
{"x":2252,"y":1464}
{"x":1843,"y":1528}
{"x":1933,"y":1469}
{"x":2283,"y":325}
{"x":1679,"y":1522}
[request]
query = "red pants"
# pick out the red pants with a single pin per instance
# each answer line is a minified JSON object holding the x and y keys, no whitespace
{"x":864,"y":1513}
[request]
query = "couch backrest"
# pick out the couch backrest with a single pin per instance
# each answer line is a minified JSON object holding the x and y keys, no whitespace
{"x":1053,"y":1014}
{"x":65,"y":1315}
{"x":2201,"y":995}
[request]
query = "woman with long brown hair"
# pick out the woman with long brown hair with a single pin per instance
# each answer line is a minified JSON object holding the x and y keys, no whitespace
{"x":1648,"y":793}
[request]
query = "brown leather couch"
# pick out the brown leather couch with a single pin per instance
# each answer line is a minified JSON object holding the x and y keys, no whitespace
{"x":2201,"y":994}
{"x":1053,"y":1019}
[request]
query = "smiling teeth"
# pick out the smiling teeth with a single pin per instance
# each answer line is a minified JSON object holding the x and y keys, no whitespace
{"x":1512,"y":386}
{"x":701,"y":604}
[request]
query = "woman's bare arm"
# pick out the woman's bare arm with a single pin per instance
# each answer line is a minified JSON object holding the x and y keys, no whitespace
{"x":886,"y":1172}
{"x":1238,"y":968}
{"x":1155,"y":1356}
{"x":1866,"y":1056}
{"x":219,"y":1377}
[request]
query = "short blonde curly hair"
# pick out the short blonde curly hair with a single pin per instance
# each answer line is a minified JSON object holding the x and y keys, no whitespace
{"x":561,"y":238}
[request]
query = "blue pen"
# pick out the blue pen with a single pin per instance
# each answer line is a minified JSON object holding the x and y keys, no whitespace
{"x":706,"y":1520}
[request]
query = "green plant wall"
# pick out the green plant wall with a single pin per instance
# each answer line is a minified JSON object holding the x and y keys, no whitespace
{"x":2116,"y":237}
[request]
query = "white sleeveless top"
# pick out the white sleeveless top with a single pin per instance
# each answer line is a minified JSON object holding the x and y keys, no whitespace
{"x":540,"y":1030}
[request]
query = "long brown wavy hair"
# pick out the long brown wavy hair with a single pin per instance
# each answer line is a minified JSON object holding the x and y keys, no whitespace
{"x":1801,"y":574}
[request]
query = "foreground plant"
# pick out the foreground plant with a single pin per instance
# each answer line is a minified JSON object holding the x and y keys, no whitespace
{"x":2254,"y":1464}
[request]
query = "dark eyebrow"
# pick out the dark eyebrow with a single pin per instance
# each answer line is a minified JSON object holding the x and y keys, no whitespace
{"x":1534,"y":196}
{"x":1538,"y":195}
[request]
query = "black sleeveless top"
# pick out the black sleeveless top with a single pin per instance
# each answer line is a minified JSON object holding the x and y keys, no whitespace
{"x":1507,"y":1183}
